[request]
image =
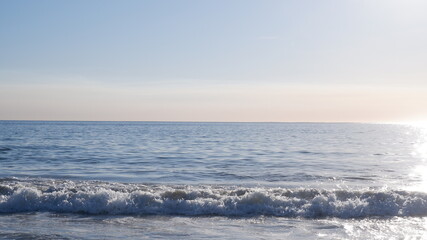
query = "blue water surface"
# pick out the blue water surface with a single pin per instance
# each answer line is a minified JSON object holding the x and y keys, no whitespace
{"x":284,"y":154}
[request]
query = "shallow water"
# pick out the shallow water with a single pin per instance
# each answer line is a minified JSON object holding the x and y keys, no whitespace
{"x":105,"y":180}
{"x":66,"y":226}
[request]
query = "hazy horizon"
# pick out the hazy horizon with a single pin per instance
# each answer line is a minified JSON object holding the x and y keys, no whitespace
{"x":214,"y":61}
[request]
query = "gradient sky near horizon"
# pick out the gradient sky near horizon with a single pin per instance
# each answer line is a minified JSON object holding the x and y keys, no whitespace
{"x":223,"y":60}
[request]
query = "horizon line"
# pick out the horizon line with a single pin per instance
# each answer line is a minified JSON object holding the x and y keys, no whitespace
{"x":185,"y":121}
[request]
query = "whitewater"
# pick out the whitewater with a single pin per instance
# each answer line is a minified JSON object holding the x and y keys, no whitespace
{"x":174,"y":180}
{"x":135,"y":199}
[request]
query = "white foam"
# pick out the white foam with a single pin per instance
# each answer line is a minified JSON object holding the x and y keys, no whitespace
{"x":17,"y":195}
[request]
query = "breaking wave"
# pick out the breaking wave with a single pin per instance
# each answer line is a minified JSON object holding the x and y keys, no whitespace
{"x":91,"y":197}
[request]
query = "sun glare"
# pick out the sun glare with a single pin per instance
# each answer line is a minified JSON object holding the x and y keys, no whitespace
{"x":419,"y":124}
{"x":420,"y":150}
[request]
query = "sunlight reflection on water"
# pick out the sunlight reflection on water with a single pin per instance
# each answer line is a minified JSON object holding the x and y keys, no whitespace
{"x":419,"y":171}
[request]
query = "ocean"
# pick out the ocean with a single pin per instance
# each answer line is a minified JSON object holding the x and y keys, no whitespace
{"x":193,"y":180}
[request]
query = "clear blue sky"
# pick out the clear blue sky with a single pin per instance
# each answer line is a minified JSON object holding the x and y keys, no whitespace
{"x":213,"y":60}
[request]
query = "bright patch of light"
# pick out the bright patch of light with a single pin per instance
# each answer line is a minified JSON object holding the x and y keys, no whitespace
{"x":420,"y":149}
{"x":419,"y":124}
{"x":420,"y":172}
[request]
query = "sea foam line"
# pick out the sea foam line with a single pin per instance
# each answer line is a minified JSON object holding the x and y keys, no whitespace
{"x":138,"y":199}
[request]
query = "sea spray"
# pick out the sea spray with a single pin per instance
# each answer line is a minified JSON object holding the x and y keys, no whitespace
{"x":92,"y":197}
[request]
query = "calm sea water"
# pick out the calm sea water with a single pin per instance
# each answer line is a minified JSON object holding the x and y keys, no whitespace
{"x":173,"y":180}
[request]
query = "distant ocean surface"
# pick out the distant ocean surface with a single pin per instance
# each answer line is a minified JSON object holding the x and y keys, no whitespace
{"x":190,"y":180}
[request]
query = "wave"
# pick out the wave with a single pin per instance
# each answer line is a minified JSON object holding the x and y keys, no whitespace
{"x":92,"y":197}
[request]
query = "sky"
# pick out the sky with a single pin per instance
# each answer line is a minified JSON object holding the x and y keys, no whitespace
{"x":222,"y":60}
